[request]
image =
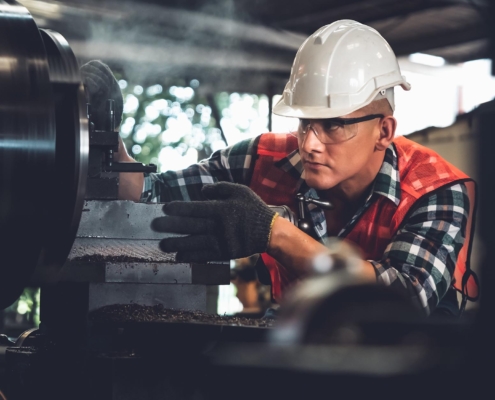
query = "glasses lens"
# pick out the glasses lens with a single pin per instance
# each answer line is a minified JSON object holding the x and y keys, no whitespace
{"x":330,"y":131}
{"x":327,"y":131}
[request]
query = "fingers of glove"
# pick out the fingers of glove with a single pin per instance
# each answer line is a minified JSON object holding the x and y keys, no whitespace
{"x":199,"y":256}
{"x":101,"y":70}
{"x":112,"y":84}
{"x":187,"y":225}
{"x":189,"y":243}
{"x":94,"y":80}
{"x":93,"y":84}
{"x":100,"y":83}
{"x":220,"y":190}
{"x":199,"y":209}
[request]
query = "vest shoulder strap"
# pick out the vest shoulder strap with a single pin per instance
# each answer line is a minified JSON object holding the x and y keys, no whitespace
{"x":276,"y":145}
{"x":275,"y":187}
{"x":422,"y":170}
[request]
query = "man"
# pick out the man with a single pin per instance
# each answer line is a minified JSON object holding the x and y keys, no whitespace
{"x":401,"y":204}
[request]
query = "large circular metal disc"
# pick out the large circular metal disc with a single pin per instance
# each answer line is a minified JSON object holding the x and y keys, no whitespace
{"x":72,"y":149}
{"x":27,"y":148}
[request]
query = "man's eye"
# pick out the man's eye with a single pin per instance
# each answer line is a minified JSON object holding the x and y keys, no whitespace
{"x":332,"y":127}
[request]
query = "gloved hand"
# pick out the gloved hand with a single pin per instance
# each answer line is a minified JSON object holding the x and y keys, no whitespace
{"x":233,"y":223}
{"x":101,"y":85}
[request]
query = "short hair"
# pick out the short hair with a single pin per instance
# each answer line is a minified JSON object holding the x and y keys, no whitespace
{"x":381,"y":106}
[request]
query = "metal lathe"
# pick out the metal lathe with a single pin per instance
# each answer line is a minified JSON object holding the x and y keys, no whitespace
{"x":122,"y":320}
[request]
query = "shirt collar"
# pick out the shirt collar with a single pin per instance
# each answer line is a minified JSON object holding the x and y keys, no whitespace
{"x":387,"y":181}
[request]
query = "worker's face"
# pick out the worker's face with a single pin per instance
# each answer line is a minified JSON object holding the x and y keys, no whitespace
{"x":328,"y":165}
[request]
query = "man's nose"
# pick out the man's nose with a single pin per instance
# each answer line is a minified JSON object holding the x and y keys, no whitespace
{"x":311,"y":142}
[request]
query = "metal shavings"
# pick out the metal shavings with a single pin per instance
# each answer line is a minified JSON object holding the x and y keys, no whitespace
{"x":120,"y":313}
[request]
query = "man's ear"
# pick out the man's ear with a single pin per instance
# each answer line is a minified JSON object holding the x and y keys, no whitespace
{"x":387,"y":127}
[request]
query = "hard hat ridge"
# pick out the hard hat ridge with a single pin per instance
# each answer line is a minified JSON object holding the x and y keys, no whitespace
{"x":387,"y":94}
{"x":340,"y":68}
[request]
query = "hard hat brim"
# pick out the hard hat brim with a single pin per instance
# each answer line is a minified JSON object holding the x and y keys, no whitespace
{"x":314,"y":112}
{"x":308,"y":112}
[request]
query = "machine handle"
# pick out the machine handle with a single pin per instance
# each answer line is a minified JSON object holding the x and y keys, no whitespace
{"x":129,"y":167}
{"x":304,"y":223}
{"x":326,"y":205}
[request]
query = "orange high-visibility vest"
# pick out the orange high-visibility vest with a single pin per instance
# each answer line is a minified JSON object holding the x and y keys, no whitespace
{"x":421,"y":172}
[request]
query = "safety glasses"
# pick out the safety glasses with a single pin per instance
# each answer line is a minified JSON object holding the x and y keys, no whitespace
{"x":331,"y":130}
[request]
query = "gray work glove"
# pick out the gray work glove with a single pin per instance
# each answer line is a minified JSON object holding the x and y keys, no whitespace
{"x":101,"y":85}
{"x":233,"y":223}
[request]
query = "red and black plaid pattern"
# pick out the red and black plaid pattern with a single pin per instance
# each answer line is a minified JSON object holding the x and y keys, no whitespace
{"x":419,"y":259}
{"x":421,"y":172}
{"x":274,"y":185}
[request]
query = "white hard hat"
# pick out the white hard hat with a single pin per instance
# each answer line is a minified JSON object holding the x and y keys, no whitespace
{"x":340,"y":68}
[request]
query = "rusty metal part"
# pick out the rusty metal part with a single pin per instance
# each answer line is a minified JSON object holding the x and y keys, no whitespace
{"x":118,"y":250}
{"x":135,"y":313}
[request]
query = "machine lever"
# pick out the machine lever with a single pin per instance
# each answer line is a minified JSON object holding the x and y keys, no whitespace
{"x":326,"y":205}
{"x":103,"y":143}
{"x":301,"y":199}
{"x":129,"y":167}
{"x":303,"y":222}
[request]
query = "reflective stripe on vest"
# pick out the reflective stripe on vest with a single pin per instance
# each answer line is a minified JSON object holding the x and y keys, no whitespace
{"x":421,"y":172}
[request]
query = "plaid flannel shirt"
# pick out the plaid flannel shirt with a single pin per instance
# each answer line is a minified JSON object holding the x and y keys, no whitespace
{"x":420,"y":258}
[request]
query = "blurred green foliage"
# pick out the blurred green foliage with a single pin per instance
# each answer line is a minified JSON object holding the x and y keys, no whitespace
{"x":166,"y":115}
{"x":176,"y":116}
{"x":26,"y":309}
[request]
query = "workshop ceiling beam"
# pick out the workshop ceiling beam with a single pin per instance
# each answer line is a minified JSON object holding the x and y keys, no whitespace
{"x":447,"y":38}
{"x":458,"y":53}
{"x":366,"y":12}
{"x":110,"y":17}
{"x":240,"y":40}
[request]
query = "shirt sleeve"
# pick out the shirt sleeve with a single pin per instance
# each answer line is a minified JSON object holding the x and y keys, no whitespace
{"x":422,"y":256}
{"x":232,"y":164}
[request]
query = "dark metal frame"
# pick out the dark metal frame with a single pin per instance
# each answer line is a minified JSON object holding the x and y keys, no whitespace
{"x":351,"y":121}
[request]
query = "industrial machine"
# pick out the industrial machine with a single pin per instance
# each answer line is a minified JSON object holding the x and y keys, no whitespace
{"x":62,"y":227}
{"x":60,"y":182}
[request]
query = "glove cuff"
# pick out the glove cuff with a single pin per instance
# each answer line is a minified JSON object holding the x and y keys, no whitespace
{"x":271,"y":228}
{"x":260,"y":235}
